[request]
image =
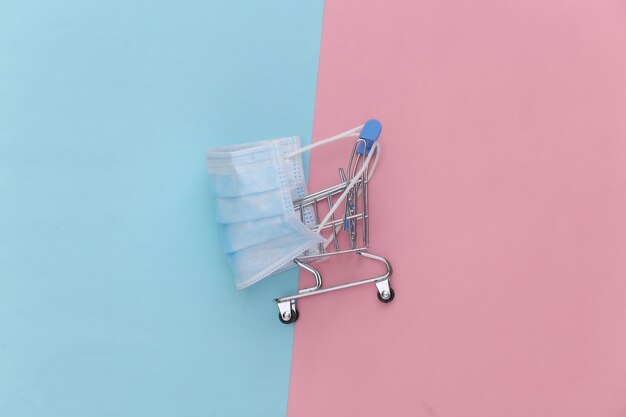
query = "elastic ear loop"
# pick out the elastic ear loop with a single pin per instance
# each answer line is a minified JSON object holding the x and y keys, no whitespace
{"x":347,"y":134}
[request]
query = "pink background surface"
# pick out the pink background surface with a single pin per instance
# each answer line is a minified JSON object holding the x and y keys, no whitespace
{"x":500,"y":200}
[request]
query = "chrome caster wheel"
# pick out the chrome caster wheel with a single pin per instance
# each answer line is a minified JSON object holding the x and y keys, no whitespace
{"x":288,"y":317}
{"x":386,"y":296}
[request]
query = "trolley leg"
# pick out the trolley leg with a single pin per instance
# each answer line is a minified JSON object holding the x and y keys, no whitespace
{"x":316,"y":277}
{"x":385,"y":292}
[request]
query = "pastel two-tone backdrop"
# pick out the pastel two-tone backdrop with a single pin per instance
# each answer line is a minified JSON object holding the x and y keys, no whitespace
{"x":500,"y":199}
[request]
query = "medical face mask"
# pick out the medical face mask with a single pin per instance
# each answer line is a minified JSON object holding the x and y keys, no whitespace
{"x":255,"y":185}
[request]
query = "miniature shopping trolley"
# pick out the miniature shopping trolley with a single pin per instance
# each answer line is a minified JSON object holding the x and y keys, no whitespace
{"x":352,"y":220}
{"x":270,"y":223}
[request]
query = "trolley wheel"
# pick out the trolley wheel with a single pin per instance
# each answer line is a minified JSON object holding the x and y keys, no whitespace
{"x":294,"y":316}
{"x":388,"y":299}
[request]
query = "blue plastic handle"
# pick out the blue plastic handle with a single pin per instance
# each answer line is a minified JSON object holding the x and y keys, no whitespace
{"x":370,"y":132}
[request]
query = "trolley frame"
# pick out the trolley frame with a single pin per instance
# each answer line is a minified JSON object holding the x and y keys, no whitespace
{"x":355,"y":211}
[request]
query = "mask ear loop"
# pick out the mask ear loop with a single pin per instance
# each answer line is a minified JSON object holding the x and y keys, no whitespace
{"x":352,"y":133}
{"x":347,"y":134}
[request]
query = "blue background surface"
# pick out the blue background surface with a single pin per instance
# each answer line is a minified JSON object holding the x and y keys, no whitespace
{"x":115,"y":299}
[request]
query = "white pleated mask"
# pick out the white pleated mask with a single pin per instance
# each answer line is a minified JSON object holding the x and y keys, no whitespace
{"x":255,"y":186}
